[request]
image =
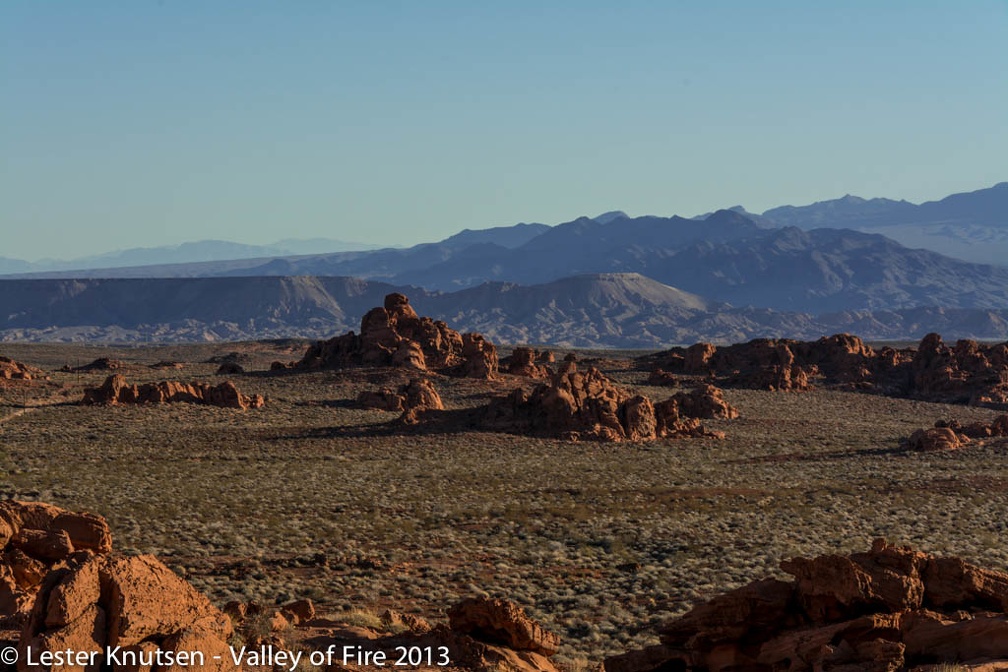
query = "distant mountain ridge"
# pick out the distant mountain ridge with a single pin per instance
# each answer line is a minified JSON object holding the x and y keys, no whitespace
{"x":611,"y":279}
{"x":601,"y":310}
{"x":971,"y":226}
{"x":184,"y":253}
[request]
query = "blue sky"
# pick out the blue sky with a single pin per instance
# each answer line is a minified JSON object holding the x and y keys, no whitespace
{"x":127,"y":124}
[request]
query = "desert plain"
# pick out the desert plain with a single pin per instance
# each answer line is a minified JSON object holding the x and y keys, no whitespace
{"x":312,"y":496}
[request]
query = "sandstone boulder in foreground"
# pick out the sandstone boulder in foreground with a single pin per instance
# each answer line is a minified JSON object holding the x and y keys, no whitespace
{"x":115,"y":390}
{"x":494,"y":634}
{"x":889,"y":609}
{"x":35,"y":537}
{"x":61,"y":586}
{"x":394,"y":335}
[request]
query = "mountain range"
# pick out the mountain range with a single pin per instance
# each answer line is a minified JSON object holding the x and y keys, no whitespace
{"x":199,"y":251}
{"x":623,"y":310}
{"x":606,"y":280}
{"x":971,"y":226}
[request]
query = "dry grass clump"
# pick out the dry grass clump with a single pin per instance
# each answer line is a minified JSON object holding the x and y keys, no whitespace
{"x":311,"y":496}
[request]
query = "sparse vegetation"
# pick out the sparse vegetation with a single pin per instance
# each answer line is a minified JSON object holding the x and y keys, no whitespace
{"x":311,"y":496}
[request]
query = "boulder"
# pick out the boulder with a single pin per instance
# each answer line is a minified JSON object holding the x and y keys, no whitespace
{"x":936,"y":439}
{"x":14,"y":370}
{"x":34,"y":538}
{"x":89,"y":602}
{"x":413,"y":398}
{"x":382,"y":400}
{"x":230,"y":369}
{"x":479,"y":357}
{"x":705,"y":401}
{"x":498,"y":621}
{"x":661,"y":377}
{"x":528,"y":363}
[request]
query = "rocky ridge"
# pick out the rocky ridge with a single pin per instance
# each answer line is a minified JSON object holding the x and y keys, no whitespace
{"x":116,"y":390}
{"x":885,"y":610}
{"x":967,"y":372}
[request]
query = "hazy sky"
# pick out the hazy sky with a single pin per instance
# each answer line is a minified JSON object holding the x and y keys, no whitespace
{"x":139,"y":123}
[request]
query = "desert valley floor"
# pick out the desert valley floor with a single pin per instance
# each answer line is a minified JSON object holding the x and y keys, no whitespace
{"x":311,"y":496}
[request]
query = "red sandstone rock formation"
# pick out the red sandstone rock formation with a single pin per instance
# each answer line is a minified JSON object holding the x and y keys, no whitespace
{"x":529,"y":363}
{"x":705,"y":401}
{"x":952,"y":434}
{"x":936,"y":439}
{"x":413,"y":398}
{"x":888,"y":609}
{"x":393,"y":335}
{"x":60,"y":584}
{"x":489,"y":634}
{"x":576,"y":405}
{"x":978,"y":430}
{"x":967,"y":372}
{"x":671,"y":421}
{"x":115,"y":390}
{"x":14,"y":370}
{"x":33,"y":538}
{"x":661,"y":377}
{"x":479,"y":357}
{"x":696,"y":360}
{"x":88,"y":603}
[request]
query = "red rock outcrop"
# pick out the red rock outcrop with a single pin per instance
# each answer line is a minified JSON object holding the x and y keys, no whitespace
{"x":394,"y":335}
{"x":230,"y":369}
{"x":952,"y":434}
{"x":479,"y":357}
{"x":61,"y":585}
{"x":101,"y":364}
{"x":696,"y":360}
{"x":978,"y":430}
{"x":576,"y":405}
{"x":936,"y":439}
{"x":89,"y":602}
{"x":968,"y":372}
{"x":13,"y":370}
{"x":115,"y":390}
{"x":413,"y":398}
{"x":529,"y":363}
{"x":33,"y":538}
{"x":670,"y":421}
{"x":705,"y":401}
{"x":501,"y":622}
{"x":493,"y":634}
{"x":662,"y":377}
{"x":166,"y":364}
{"x":888,"y":609}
